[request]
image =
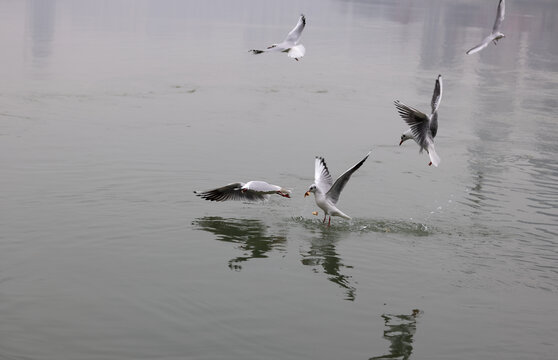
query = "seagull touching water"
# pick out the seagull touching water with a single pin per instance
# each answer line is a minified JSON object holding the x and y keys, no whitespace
{"x":496,"y":34}
{"x":326,"y":192}
{"x":290,"y":45}
{"x":423,"y":127}
{"x":251,"y":191}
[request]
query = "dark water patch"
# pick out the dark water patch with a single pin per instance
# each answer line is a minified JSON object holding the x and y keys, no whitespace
{"x":399,"y":331}
{"x":322,"y":256}
{"x":250,"y":235}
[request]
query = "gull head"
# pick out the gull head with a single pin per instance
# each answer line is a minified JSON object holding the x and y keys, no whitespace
{"x":405,"y":136}
{"x":311,"y":189}
{"x":498,"y":36}
{"x":284,"y":193}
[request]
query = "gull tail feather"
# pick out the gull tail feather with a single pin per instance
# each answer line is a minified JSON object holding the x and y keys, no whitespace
{"x":297,"y":51}
{"x":434,"y":158}
{"x":337,"y":212}
{"x":343,"y":215}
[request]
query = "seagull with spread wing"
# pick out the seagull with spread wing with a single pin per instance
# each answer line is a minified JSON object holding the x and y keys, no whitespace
{"x":326,"y":192}
{"x":290,"y":45}
{"x":423,"y":128}
{"x":496,"y":33}
{"x":251,"y":191}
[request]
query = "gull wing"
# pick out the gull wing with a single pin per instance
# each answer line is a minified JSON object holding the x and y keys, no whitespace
{"x":417,"y":121}
{"x":322,"y":178}
{"x":272,"y":48}
{"x":480,"y":46}
{"x":434,"y":124}
{"x":295,"y":33}
{"x":499,"y":16}
{"x":230,"y":192}
{"x":262,"y":187}
{"x":437,"y":95}
{"x":337,"y":187}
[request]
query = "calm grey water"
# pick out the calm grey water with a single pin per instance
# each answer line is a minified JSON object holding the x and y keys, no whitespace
{"x":112,"y":112}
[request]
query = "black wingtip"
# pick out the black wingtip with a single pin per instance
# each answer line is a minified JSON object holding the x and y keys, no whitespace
{"x":203,"y":195}
{"x":322,"y":160}
{"x":399,"y":105}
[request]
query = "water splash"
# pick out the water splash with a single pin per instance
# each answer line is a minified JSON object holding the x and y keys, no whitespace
{"x":368,"y":225}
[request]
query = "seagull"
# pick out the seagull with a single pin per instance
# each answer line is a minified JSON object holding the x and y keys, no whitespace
{"x":326,"y":192}
{"x":251,"y":191}
{"x":423,"y":127}
{"x":290,"y":45}
{"x":496,"y":34}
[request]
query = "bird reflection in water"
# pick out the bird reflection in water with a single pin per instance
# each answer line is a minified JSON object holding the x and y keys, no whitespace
{"x":400,"y":330}
{"x":250,"y":235}
{"x":323,"y":253}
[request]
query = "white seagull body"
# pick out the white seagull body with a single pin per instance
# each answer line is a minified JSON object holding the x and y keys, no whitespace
{"x":326,"y":192}
{"x":251,"y":191}
{"x":423,"y":128}
{"x":290,"y":45}
{"x":496,"y":33}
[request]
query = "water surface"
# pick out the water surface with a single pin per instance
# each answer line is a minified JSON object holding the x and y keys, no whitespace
{"x":113,"y":112}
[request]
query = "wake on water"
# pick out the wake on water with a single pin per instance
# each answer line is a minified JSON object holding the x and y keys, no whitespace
{"x":368,"y":225}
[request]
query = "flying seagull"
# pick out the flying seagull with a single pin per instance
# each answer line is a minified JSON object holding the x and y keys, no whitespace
{"x":251,"y":191}
{"x":290,"y":45}
{"x":496,"y":34}
{"x":326,"y":192}
{"x":423,"y":128}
